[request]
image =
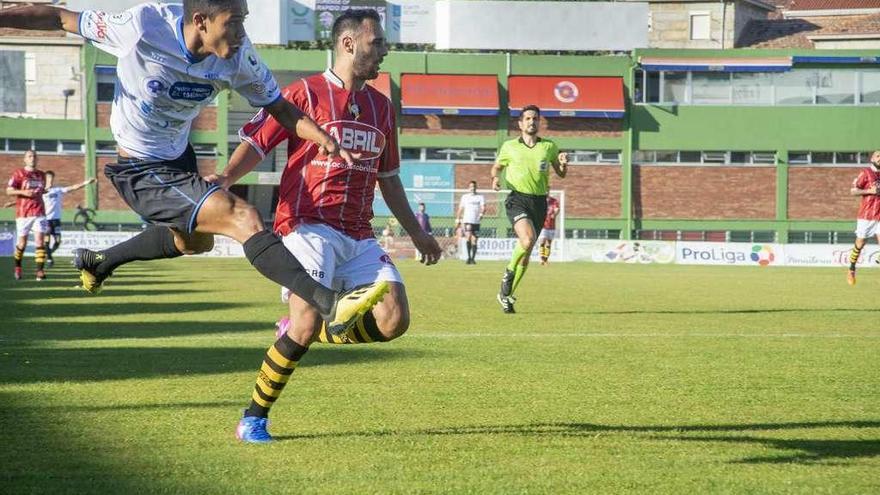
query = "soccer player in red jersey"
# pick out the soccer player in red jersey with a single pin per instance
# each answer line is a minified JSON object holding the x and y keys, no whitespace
{"x":868,"y":220}
{"x":548,"y":231}
{"x":28,"y":184}
{"x":325,"y":205}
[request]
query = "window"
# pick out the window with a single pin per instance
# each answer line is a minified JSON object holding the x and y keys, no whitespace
{"x":740,"y":157}
{"x":700,"y":25}
{"x":846,"y":158}
{"x":652,"y":87}
{"x":821,"y":157}
{"x":30,"y":69}
{"x":106,"y":78}
{"x":609,"y":157}
{"x":45,"y":146}
{"x":644,"y":156}
{"x":763,"y":157}
{"x":798,"y":157}
{"x":714,"y":157}
{"x":674,"y":86}
{"x":667,"y":156}
{"x":869,"y":93}
{"x":795,"y":87}
{"x":752,"y":88}
{"x":105,"y":148}
{"x":835,"y":87}
{"x":711,"y":88}
{"x":411,"y":154}
{"x":72,"y":147}
{"x":20,"y":144}
{"x":690,"y":156}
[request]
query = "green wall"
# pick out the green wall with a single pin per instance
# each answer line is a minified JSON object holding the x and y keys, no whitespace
{"x":778,"y":129}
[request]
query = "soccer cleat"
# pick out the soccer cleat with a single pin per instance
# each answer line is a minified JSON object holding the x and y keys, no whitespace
{"x":17,"y":273}
{"x":507,"y":283}
{"x":506,"y":304}
{"x":85,"y":261}
{"x":50,"y":262}
{"x":41,"y":275}
{"x":851,"y":277}
{"x":252,"y":429}
{"x":281,"y":327}
{"x":352,"y":304}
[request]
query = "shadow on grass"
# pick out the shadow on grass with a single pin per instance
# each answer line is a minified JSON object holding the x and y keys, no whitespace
{"x":106,"y":307}
{"x":28,"y":334}
{"x":36,"y":365}
{"x":807,"y":451}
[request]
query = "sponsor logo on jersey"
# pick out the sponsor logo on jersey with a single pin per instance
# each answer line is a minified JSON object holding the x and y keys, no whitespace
{"x":146,"y":108}
{"x":159,"y":58}
{"x":121,"y":18}
{"x":100,"y":25}
{"x":190,"y":91}
{"x":155,"y":86}
{"x":543,"y":166}
{"x":357,"y":137}
{"x":566,"y":92}
{"x":211,"y":76}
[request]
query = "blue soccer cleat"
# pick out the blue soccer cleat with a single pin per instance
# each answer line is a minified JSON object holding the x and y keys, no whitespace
{"x":252,"y":429}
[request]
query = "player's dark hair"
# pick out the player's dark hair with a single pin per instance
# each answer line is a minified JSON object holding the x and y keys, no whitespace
{"x":352,"y":19}
{"x":209,"y":8}
{"x":472,"y":182}
{"x":49,"y":172}
{"x":421,"y":204}
{"x":533,"y":108}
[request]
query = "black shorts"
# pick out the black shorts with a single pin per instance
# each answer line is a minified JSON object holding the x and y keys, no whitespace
{"x":519,"y":206}
{"x":54,"y":227}
{"x":472,"y":228}
{"x":163,"y":192}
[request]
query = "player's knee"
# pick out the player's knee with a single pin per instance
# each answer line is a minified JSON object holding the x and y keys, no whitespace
{"x":247,"y":218}
{"x":394,"y":324}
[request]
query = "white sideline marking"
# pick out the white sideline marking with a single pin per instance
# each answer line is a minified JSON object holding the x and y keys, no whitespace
{"x":480,"y":335}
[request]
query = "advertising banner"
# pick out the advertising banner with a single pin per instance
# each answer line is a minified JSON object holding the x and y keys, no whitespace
{"x":616,"y":251}
{"x":411,"y":21}
{"x":326,"y":11}
{"x":829,"y":255}
{"x":7,"y":243}
{"x":717,"y":253}
{"x":420,"y":175}
{"x":300,"y":20}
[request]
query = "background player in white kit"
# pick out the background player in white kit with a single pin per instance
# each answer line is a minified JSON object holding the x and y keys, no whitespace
{"x":53,"y":199}
{"x":172,"y":61}
{"x":471,"y":207}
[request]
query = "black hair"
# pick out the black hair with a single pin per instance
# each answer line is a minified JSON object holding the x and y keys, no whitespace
{"x":352,"y":19}
{"x":472,"y":182}
{"x":49,"y":172}
{"x":209,"y":8}
{"x":533,"y":108}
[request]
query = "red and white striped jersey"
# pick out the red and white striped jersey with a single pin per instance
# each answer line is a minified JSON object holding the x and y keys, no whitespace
{"x":34,"y":180}
{"x":315,"y":189}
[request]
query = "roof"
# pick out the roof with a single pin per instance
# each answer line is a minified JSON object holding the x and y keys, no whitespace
{"x":796,"y":5}
{"x":795,"y":33}
{"x":24,"y":33}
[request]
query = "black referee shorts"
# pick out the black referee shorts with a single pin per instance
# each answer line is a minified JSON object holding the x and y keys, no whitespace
{"x":519,"y":206}
{"x":163,"y":192}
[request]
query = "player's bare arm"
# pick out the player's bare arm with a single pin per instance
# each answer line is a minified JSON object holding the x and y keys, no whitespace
{"x":25,"y":193}
{"x":395,"y":198}
{"x":300,"y":124}
{"x":496,"y":172}
{"x":81,"y":185}
{"x":243,"y":160}
{"x":39,"y":17}
{"x":863,"y":192}
{"x":560,"y":165}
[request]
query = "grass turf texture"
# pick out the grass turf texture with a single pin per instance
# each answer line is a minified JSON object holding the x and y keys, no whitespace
{"x":610,"y":379}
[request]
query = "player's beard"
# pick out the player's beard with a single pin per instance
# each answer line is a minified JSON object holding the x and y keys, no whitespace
{"x":364,"y":68}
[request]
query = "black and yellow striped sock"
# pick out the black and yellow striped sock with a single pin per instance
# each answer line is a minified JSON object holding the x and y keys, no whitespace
{"x":278,"y":365}
{"x":40,"y":257}
{"x":365,"y":331}
{"x":18,"y":255}
{"x":854,"y":256}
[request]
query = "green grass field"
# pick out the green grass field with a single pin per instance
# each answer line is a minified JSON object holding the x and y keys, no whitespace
{"x":610,"y":379}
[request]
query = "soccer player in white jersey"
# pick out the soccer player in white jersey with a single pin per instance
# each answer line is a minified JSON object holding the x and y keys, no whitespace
{"x":470,"y":210}
{"x":172,"y":61}
{"x":53,"y":199}
{"x":325,"y":206}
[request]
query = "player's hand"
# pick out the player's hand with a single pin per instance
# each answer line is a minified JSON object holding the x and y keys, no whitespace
{"x":333,"y":149}
{"x":219,"y":179}
{"x":562,"y":158}
{"x":428,"y":247}
{"x":28,"y":193}
{"x":92,"y":180}
{"x":496,"y":184}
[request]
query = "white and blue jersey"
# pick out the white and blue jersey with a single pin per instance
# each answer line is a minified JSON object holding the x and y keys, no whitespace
{"x":161,"y":86}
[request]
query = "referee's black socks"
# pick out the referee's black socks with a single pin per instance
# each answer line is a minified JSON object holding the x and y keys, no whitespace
{"x":269,"y":256}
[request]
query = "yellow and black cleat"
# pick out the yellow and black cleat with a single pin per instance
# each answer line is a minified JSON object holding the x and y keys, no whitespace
{"x":81,"y":260}
{"x":352,"y":304}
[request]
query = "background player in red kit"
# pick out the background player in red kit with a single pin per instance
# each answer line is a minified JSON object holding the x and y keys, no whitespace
{"x":28,"y":184}
{"x":868,"y":220}
{"x":325,"y":205}
{"x":548,"y":231}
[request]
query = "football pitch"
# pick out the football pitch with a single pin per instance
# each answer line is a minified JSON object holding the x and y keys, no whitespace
{"x":610,"y":379}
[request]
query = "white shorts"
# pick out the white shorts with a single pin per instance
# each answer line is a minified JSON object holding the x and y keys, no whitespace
{"x":24,"y":225}
{"x":866,"y":229}
{"x":547,"y":234}
{"x":336,"y":260}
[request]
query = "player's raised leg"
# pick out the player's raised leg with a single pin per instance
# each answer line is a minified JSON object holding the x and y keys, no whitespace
{"x":854,"y":255}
